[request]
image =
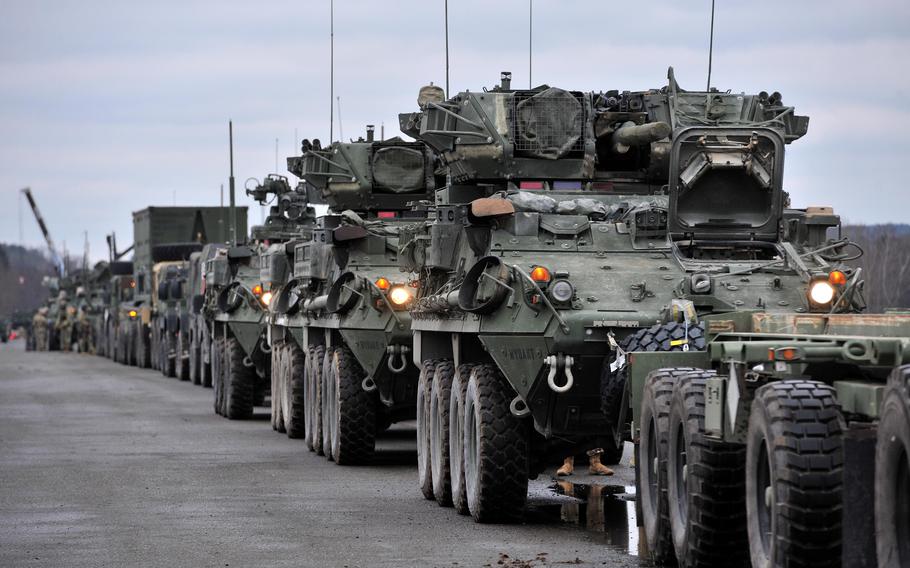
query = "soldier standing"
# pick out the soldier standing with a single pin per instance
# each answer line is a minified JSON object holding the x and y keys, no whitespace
{"x":39,"y":329}
{"x":65,"y":326}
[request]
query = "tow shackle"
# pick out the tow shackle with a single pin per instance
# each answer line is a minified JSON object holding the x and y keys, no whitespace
{"x":400,"y":352}
{"x":555,"y":362}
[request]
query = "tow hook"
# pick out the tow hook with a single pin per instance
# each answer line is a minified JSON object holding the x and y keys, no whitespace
{"x":247,"y":362}
{"x":555,"y":362}
{"x":519,"y":407}
{"x":368,"y":384}
{"x":401,"y":352}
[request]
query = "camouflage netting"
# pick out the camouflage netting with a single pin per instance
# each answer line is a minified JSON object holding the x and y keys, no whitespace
{"x":549,"y":124}
{"x":398,"y":169}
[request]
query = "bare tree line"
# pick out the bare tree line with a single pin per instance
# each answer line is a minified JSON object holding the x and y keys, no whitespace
{"x":885,"y":264}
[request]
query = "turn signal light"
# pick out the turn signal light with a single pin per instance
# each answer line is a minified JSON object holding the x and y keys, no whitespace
{"x":257,"y":290}
{"x":133,"y":313}
{"x":540,"y":274}
{"x":837,"y":278}
{"x":383,"y":284}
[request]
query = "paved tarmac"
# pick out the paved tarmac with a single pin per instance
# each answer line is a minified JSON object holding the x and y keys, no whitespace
{"x":104,"y":465}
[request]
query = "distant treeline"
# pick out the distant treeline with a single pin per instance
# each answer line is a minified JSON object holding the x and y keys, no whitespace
{"x":886,"y":267}
{"x":885,"y":264}
{"x":21,"y":272}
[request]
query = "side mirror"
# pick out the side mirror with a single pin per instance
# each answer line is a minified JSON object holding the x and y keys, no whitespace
{"x":162,"y":290}
{"x":198,"y":302}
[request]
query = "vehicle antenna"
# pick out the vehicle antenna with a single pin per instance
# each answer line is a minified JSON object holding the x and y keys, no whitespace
{"x":711,"y":46}
{"x":447,"y":48}
{"x":531,"y":40}
{"x":331,"y":68}
{"x":231,"y":210}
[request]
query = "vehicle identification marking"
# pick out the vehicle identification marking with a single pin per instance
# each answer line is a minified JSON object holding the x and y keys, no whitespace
{"x":616,"y":323}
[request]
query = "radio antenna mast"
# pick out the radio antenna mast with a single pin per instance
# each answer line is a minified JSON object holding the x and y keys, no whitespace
{"x":711,"y":47}
{"x":331,"y":69}
{"x":447,"y":48}
{"x":530,"y":41}
{"x":231,"y":210}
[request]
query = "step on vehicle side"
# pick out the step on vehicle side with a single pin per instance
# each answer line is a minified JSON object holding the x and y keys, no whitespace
{"x":345,"y":359}
{"x":237,"y":304}
{"x":560,"y":243}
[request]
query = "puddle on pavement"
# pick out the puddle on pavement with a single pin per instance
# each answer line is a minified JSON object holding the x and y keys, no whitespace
{"x":607,"y":511}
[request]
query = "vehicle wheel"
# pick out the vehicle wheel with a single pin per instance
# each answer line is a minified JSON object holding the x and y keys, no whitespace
{"x":168,"y":354}
{"x":140,"y":348}
{"x":440,"y":394}
{"x":155,"y":349}
{"x":281,"y":383}
{"x":275,"y":410}
{"x":651,"y":461}
{"x":353,"y":411}
{"x":217,"y":374}
{"x":313,"y":380}
{"x":424,"y":463}
{"x":456,"y":438}
{"x":495,"y":449}
{"x":672,"y":336}
{"x":181,"y":358}
{"x":892,"y":473}
{"x":328,"y":399}
{"x":706,"y":482}
{"x":794,"y":471}
{"x":194,"y":359}
{"x":238,"y":382}
{"x":294,"y":411}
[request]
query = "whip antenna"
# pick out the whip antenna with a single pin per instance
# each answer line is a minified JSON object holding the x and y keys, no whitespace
{"x":447,"y":48}
{"x":711,"y":47}
{"x":530,"y":40}
{"x":231,"y":208}
{"x":331,"y":68}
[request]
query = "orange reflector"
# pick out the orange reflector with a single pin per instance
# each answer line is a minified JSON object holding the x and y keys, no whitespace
{"x":770,"y":354}
{"x":540,"y":274}
{"x":383,"y":284}
{"x":257,"y":290}
{"x":837,"y":278}
{"x":789,"y":354}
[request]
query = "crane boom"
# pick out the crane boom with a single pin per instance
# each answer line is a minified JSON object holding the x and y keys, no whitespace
{"x":55,"y":257}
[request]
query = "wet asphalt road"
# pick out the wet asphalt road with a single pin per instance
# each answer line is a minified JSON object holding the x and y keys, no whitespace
{"x":103,"y":465}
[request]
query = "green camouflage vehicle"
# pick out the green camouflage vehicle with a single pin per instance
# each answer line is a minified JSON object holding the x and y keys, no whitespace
{"x":200,"y":333}
{"x":342,"y":329}
{"x":577,"y":227}
{"x":773,"y":444}
{"x":237,"y":303}
{"x":163,"y":234}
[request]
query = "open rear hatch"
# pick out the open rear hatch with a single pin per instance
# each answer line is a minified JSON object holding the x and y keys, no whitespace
{"x":726,"y":184}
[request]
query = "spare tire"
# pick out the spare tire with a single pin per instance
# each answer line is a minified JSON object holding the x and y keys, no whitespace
{"x":174,"y":251}
{"x":475,"y":295}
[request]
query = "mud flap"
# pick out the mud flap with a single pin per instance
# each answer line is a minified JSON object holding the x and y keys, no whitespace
{"x":859,"y":497}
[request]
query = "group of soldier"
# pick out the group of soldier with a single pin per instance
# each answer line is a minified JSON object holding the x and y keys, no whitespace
{"x":64,"y":325}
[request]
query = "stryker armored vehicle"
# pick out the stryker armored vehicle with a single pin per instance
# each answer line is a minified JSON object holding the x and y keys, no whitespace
{"x":237,"y":303}
{"x":170,"y":332}
{"x":163,"y":234}
{"x":342,"y":327}
{"x":577,"y":227}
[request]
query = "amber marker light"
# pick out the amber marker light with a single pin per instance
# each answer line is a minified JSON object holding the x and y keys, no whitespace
{"x":257,"y":290}
{"x":133,"y":313}
{"x":540,"y":275}
{"x":837,"y":278}
{"x":383,"y":284}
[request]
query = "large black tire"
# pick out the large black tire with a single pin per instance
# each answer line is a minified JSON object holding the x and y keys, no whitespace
{"x":143,"y":348}
{"x":218,"y":373}
{"x":653,"y":449}
{"x":239,"y":382}
{"x":794,"y":475}
{"x":673,"y":336}
{"x":195,"y":358}
{"x":275,"y":386}
{"x":440,"y":395}
{"x":313,"y":380}
{"x":892,"y":473}
{"x":353,"y":412}
{"x":424,"y":463}
{"x":456,"y":438}
{"x":181,"y":359}
{"x":294,"y":394}
{"x":168,"y":358}
{"x":706,"y":484}
{"x":495,"y":449}
{"x":328,"y":399}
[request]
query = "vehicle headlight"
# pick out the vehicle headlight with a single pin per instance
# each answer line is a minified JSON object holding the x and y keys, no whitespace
{"x":266,"y":298}
{"x":821,"y":292}
{"x":562,"y":291}
{"x":400,"y":295}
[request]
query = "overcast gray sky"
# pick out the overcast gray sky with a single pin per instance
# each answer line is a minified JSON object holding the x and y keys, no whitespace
{"x":107,"y":107}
